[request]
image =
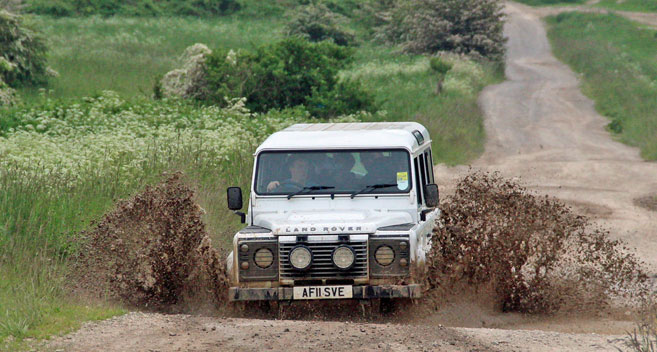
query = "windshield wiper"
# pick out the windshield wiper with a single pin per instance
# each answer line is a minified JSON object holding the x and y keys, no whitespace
{"x":370,"y":188}
{"x":308,"y":189}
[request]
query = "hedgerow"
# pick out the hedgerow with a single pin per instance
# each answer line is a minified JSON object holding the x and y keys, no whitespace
{"x":290,"y":73}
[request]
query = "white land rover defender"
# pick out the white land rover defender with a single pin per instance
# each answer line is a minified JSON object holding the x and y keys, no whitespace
{"x":341,"y":210}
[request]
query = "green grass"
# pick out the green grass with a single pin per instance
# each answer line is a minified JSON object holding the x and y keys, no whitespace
{"x":616,"y":58}
{"x":404,"y":87}
{"x":43,"y":207}
{"x":39,"y":214}
{"x":630,"y":5}
{"x":551,"y":2}
{"x":34,"y":306}
{"x":126,"y":55}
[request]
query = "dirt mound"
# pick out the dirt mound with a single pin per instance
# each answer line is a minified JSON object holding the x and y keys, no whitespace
{"x":152,"y":251}
{"x":532,"y":252}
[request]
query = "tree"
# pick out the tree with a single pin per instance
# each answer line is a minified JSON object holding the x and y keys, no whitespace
{"x":472,"y":27}
{"x":22,"y":53}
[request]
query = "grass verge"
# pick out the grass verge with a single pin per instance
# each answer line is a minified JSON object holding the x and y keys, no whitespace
{"x":616,"y":60}
{"x":630,"y":5}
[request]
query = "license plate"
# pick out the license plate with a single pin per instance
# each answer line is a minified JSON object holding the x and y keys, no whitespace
{"x":323,"y":292}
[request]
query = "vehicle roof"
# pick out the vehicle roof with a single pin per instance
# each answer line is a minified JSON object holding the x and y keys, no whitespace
{"x":347,"y":135}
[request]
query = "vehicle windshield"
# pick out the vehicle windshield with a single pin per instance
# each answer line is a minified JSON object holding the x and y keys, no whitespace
{"x":333,"y":172}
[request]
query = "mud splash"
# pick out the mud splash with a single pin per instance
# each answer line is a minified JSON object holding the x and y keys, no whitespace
{"x":533,"y":253}
{"x":152,"y":251}
{"x":523,"y":252}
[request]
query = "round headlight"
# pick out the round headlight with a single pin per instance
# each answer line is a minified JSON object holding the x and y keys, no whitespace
{"x":384,"y":255}
{"x":344,"y":257}
{"x":300,"y":258}
{"x":263,"y":258}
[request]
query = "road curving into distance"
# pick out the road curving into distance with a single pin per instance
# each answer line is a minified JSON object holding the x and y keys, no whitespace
{"x":542,"y":129}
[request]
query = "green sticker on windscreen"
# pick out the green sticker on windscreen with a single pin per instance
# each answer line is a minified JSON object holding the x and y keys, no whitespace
{"x":402,"y":180}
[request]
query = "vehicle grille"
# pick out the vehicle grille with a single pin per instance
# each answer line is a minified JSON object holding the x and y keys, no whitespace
{"x":322,"y":266}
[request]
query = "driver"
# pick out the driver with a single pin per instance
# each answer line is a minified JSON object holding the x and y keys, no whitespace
{"x":299,"y":173}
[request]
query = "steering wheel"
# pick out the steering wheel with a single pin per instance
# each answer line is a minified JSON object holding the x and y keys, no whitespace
{"x":290,"y":186}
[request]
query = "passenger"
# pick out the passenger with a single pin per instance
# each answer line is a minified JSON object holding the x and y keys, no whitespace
{"x":379,"y":169}
{"x":299,"y":173}
{"x":342,"y":175}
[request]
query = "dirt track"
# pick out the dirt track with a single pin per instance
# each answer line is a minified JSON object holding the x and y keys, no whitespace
{"x":540,"y":128}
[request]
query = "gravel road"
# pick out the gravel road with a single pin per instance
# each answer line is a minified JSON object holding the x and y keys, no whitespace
{"x":541,"y":129}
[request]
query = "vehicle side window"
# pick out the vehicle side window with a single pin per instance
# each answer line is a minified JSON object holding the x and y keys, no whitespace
{"x":427,"y":154}
{"x":423,"y":172}
{"x":418,"y":171}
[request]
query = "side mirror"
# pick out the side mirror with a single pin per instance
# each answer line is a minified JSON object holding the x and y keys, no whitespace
{"x":431,"y":196}
{"x":234,"y":198}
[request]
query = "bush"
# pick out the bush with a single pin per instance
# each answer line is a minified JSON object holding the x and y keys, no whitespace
{"x":22,"y":53}
{"x":60,"y":8}
{"x":347,"y":97}
{"x":7,"y":95}
{"x":440,"y":66}
{"x":293,"y":72}
{"x":189,"y":81}
{"x":317,"y":23}
{"x":472,"y":27}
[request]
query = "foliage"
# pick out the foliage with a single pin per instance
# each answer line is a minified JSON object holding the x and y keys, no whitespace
{"x":189,"y":81}
{"x":440,"y":65}
{"x":22,"y":53}
{"x":472,"y":27}
{"x":403,"y":88}
{"x":7,"y":95}
{"x":621,"y":79}
{"x":62,"y":8}
{"x":290,"y":73}
{"x":74,"y":141}
{"x":316,"y":22}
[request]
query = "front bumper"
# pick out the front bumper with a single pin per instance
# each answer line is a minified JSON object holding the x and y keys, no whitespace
{"x":359,"y":292}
